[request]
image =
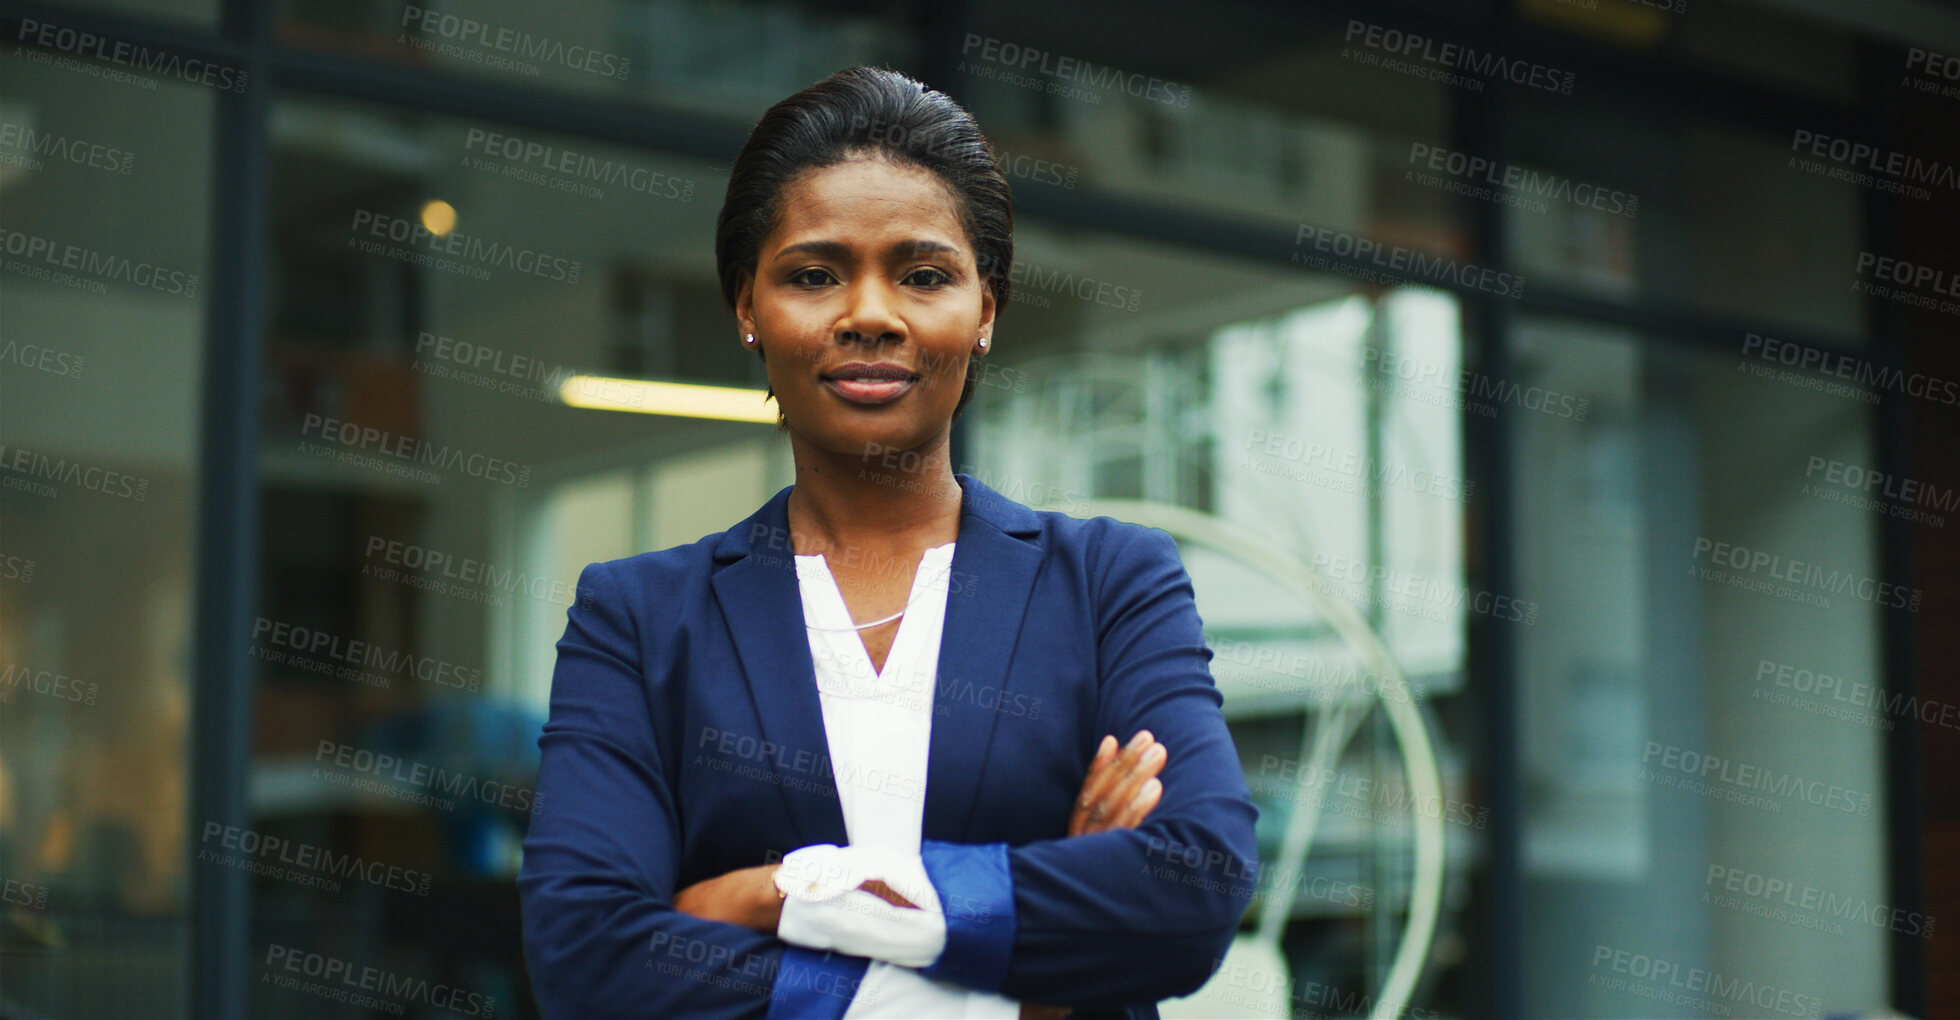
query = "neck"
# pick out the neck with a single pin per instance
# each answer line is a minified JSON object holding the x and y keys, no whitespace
{"x":891,"y":499}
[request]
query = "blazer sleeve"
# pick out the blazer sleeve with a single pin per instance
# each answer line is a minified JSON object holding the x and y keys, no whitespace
{"x":601,"y":936}
{"x":1129,"y":916}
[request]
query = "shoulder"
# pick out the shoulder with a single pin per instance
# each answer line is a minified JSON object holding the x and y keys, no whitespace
{"x":1099,"y":540}
{"x":1113,"y":563}
{"x":1108,"y":553}
{"x":1105,"y":541}
{"x":664,"y":572}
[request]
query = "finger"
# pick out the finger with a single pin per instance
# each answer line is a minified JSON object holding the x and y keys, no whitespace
{"x":1108,"y":756}
{"x":1146,"y":801}
{"x":1108,"y":793}
{"x":1147,"y":765}
{"x":1117,"y":801}
{"x":1105,"y":753}
{"x":1112,"y":802}
{"x":1090,"y":806}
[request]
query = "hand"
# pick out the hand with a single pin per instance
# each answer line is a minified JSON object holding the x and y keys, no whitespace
{"x":746,"y":896}
{"x":1122,"y":786}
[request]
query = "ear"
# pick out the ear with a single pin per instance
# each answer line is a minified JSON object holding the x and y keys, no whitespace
{"x":745,"y":301}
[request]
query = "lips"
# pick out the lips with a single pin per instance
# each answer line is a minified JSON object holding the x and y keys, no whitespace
{"x":870,"y":383}
{"x":883,"y":370}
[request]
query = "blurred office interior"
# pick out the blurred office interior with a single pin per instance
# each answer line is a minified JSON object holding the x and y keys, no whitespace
{"x":1662,"y":320}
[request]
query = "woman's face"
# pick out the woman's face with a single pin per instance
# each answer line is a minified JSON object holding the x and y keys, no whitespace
{"x":867,"y":302}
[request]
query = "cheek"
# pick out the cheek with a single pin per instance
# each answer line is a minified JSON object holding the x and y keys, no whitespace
{"x":949,"y":381}
{"x":792,"y":344}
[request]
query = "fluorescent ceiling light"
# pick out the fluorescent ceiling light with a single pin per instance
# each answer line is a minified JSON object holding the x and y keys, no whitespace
{"x":687,"y":400}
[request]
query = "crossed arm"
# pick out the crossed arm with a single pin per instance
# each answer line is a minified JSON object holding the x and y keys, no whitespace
{"x":1118,"y":793}
{"x":607,"y":929}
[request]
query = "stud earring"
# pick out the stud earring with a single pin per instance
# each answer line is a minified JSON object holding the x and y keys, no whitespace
{"x":749,"y":340}
{"x":983,"y":343}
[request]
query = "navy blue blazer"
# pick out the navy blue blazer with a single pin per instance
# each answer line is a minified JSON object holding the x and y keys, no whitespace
{"x":685,"y":740}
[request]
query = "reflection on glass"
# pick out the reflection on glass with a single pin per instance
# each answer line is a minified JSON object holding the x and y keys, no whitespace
{"x":724,"y":59}
{"x":104,"y":276}
{"x":430,"y":498}
{"x":200,"y":12}
{"x":1316,"y":146}
{"x":1676,"y":768}
{"x":1326,"y":422}
{"x":1703,"y":216}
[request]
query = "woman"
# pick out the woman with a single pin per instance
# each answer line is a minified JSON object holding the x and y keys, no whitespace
{"x":913,"y":805}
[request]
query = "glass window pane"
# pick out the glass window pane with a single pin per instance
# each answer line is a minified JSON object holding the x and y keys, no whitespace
{"x":1763,"y":45}
{"x":431,"y":497}
{"x":200,"y":12}
{"x":103,"y":267}
{"x":1315,"y":426}
{"x":725,"y":59}
{"x":1696,"y":793}
{"x":1260,"y":116}
{"x":1711,"y":219}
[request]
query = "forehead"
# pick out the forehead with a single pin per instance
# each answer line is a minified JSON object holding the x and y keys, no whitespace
{"x":864,"y":196}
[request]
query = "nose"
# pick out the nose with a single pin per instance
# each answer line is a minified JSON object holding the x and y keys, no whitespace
{"x":870,"y":317}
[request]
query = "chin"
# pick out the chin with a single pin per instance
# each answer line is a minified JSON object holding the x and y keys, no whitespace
{"x":878,"y":445}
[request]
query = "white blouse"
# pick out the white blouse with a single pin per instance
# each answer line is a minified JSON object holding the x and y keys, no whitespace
{"x":879,"y":727}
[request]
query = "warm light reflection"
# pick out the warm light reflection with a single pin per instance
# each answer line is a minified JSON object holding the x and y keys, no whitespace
{"x":439,"y":217}
{"x":725,"y":403}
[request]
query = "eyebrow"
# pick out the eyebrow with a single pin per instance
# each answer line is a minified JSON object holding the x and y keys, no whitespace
{"x":841,"y":252}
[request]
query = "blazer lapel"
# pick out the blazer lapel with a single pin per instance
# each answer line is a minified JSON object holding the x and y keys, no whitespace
{"x":994,"y":566}
{"x":763,"y":605}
